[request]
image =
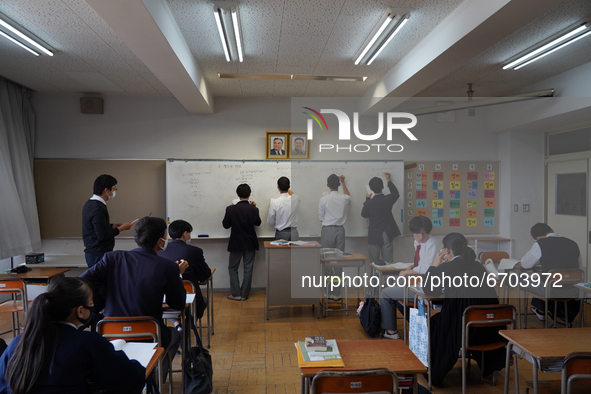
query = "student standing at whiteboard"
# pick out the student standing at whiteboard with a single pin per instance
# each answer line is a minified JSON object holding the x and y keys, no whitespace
{"x":243,"y":242}
{"x":382,"y":226}
{"x":283,"y":212}
{"x":98,"y":234}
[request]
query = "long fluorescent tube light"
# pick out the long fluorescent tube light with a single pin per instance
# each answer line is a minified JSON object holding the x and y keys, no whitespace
{"x":237,"y":34}
{"x":555,"y":49}
{"x":221,"y":31}
{"x":25,"y":37}
{"x":300,"y":77}
{"x":388,"y":40}
{"x":18,"y":43}
{"x":547,"y":47}
{"x":375,"y":37}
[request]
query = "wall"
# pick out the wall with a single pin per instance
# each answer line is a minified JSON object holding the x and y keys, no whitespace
{"x":159,"y":127}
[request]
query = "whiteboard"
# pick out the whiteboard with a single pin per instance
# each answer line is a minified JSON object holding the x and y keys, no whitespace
{"x":199,"y":191}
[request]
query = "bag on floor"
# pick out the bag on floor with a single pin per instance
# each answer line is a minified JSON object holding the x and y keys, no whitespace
{"x":198,"y":368}
{"x":371,"y":317}
{"x":417,"y":332}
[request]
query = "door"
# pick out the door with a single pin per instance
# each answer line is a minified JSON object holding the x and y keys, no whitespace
{"x":568,"y":202}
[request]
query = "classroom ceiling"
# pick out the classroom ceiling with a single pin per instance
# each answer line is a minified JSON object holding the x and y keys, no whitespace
{"x":172,"y":47}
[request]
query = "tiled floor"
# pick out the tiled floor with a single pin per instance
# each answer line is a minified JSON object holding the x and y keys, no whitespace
{"x":254,"y":355}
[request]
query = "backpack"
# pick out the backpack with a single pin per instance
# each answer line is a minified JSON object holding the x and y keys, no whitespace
{"x":198,"y":366}
{"x":371,"y":317}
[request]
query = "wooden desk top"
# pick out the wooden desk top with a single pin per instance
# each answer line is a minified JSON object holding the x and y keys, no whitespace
{"x":36,"y":273}
{"x":550,"y":344}
{"x":378,"y":353}
{"x":389,"y":268}
{"x":353,"y":257}
{"x":154,"y":360}
{"x":269,"y":246}
{"x":62,"y":261}
{"x":488,"y":239}
{"x":584,"y":288}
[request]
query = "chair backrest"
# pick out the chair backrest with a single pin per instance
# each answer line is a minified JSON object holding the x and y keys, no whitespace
{"x":569,"y":275}
{"x":135,"y":328}
{"x":565,"y":278}
{"x":189,"y":286}
{"x":355,"y":381}
{"x":495,"y":256}
{"x":487,"y":315}
{"x":15,"y":286}
{"x":576,"y":367}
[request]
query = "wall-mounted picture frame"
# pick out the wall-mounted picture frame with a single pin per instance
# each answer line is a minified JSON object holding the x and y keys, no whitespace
{"x":277,"y":144}
{"x":299,"y":145}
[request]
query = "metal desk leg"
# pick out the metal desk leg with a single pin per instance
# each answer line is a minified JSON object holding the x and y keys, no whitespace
{"x":429,"y":342}
{"x":507,"y":368}
{"x":405,"y":306}
{"x":582,"y":308}
{"x":415,"y":384}
{"x":535,"y":377}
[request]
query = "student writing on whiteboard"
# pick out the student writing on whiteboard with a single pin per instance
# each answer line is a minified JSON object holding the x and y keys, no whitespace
{"x":283,"y":212}
{"x":425,"y":251}
{"x":98,"y":234}
{"x":241,"y":219}
{"x":179,"y":249}
{"x":382,"y":226}
{"x":332,"y":212}
{"x":53,"y":355}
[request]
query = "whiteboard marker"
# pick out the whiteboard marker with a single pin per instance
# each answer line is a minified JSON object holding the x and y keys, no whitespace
{"x":135,"y":221}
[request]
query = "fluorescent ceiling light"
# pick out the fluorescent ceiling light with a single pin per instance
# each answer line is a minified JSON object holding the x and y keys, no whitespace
{"x":23,"y":37}
{"x":218,"y":22}
{"x":237,"y":34}
{"x":18,"y":43}
{"x":299,"y":77}
{"x":388,"y":40}
{"x":388,"y":28}
{"x":555,"y":44}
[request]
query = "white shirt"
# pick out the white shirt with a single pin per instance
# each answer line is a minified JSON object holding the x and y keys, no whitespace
{"x":426,"y":254}
{"x":98,"y":198}
{"x":333,"y":208}
{"x":283,"y":211}
{"x":534,"y":255}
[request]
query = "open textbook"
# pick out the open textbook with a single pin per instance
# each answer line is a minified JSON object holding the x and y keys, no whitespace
{"x":139,"y":351}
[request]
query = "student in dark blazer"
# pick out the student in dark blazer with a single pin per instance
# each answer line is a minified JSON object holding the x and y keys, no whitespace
{"x":53,"y":355}
{"x":243,"y":242}
{"x":382,"y":226}
{"x":179,"y":249}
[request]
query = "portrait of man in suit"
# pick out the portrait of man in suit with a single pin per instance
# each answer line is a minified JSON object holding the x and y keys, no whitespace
{"x":298,"y":147}
{"x":277,"y":147}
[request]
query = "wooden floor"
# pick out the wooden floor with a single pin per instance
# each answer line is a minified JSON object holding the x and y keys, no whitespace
{"x":254,"y":355}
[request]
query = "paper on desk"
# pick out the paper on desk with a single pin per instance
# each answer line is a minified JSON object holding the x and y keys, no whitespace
{"x":139,"y":351}
{"x":401,"y":265}
{"x":507,"y":264}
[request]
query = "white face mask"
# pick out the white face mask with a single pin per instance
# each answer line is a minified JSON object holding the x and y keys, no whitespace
{"x":165,"y":243}
{"x":113,"y":196}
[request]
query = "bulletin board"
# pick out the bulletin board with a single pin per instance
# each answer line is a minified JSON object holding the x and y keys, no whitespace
{"x":458,"y":197}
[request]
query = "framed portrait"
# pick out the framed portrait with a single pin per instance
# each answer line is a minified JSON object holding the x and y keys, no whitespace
{"x":299,"y":145}
{"x":277,"y":144}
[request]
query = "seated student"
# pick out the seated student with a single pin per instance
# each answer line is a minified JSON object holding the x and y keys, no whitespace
{"x":179,"y":248}
{"x":135,"y":282}
{"x":456,"y":259}
{"x":53,"y":356}
{"x":425,"y":251}
{"x":551,"y":252}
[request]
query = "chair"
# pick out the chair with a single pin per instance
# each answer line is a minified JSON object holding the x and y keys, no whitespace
{"x":484,"y":316}
{"x":14,"y":306}
{"x":136,"y":328}
{"x":209,"y":308}
{"x":567,"y":278}
{"x":576,"y":377}
{"x":355,"y":381}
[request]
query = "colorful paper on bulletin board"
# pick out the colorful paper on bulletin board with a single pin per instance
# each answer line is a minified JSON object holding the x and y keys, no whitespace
{"x":421,"y":212}
{"x":472,"y":204}
{"x":437,"y":194}
{"x":489,"y":194}
{"x":437,"y":203}
{"x":489,"y":212}
{"x":455,"y":194}
{"x":489,"y":222}
{"x":472,"y":176}
{"x":437,"y":213}
{"x":472,"y":194}
{"x":454,"y":203}
{"x":421,"y":203}
{"x":437,"y":222}
{"x":421,"y":194}
{"x":489,"y":184}
{"x":472,"y":213}
{"x":455,"y":176}
{"x":489,"y":203}
{"x":471,"y":222}
{"x":455,"y":185}
{"x":454,"y":213}
{"x":454,"y":222}
{"x":438,"y":176}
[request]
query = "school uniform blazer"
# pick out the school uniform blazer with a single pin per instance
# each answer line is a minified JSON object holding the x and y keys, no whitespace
{"x":134,"y":284}
{"x":198,"y":270}
{"x":242,"y":218}
{"x":379,"y":212}
{"x":81,"y":356}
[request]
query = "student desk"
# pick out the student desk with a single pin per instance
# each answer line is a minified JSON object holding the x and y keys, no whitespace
{"x":582,"y":291}
{"x":355,"y":260}
{"x":393,"y":355}
{"x":418,"y":292}
{"x":154,"y":360}
{"x":62,"y":261}
{"x":545,"y":347}
{"x":38,"y":274}
{"x":286,"y":265}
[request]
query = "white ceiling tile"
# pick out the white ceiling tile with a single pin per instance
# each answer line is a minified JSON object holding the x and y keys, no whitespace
{"x":257,"y":88}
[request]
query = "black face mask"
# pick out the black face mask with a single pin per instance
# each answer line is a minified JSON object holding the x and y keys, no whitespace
{"x":86,"y":322}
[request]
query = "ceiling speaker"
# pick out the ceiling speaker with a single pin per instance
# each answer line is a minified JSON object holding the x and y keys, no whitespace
{"x":91,"y":105}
